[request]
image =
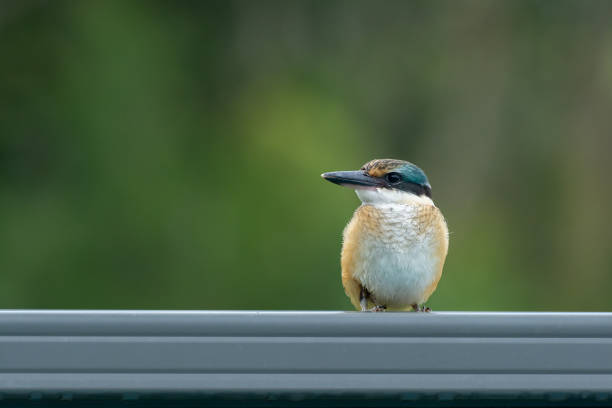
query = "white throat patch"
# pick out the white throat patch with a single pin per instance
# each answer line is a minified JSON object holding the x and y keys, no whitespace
{"x":387,"y":196}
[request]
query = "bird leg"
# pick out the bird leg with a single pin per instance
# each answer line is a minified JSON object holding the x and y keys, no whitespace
{"x":363,"y":299}
{"x":418,"y":308}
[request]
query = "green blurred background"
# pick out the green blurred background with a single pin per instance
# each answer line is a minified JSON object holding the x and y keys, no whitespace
{"x":167,"y":154}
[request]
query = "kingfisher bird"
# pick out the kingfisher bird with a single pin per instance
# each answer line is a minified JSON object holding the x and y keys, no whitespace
{"x":395,"y":245}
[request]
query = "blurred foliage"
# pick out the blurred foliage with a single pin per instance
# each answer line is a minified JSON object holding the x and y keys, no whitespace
{"x":167,"y":154}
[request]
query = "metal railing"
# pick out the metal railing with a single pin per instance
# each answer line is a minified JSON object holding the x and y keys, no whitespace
{"x":297,"y":358}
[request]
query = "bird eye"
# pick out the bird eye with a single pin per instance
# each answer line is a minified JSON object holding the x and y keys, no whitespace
{"x":393,"y":178}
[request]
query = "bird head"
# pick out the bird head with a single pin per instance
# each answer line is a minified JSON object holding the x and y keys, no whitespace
{"x":383,"y":175}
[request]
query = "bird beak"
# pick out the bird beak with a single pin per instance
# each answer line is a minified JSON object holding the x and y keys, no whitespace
{"x":353,"y":179}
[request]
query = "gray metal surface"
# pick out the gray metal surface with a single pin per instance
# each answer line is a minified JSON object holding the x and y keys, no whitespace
{"x":307,"y":354}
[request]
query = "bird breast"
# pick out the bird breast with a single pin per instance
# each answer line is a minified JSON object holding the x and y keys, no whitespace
{"x":396,"y":251}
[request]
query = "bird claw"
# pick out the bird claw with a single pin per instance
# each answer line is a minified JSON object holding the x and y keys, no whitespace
{"x":378,"y":308}
{"x":418,"y":308}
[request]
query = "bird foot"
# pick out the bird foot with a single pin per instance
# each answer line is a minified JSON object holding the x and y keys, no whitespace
{"x":378,"y":308}
{"x":418,"y":308}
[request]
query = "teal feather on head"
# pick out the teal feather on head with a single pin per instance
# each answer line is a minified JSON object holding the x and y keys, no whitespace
{"x":413,"y":174}
{"x":409,"y":172}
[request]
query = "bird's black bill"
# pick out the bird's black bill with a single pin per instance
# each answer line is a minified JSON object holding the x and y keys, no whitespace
{"x":353,"y":179}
